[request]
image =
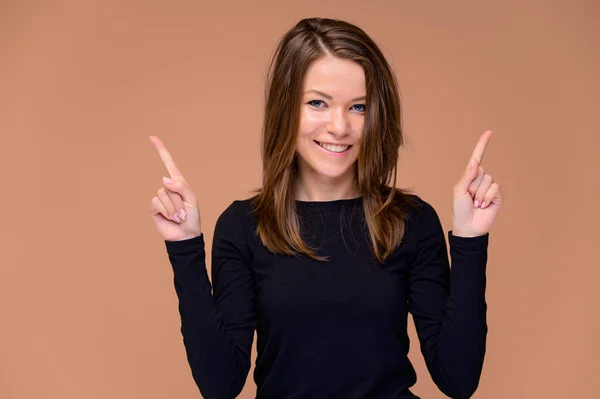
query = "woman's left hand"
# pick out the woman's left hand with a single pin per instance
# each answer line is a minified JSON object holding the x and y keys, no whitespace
{"x":477,"y":198}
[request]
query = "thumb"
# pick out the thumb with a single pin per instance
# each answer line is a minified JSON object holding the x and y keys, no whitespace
{"x":468,"y":177}
{"x":180,"y":187}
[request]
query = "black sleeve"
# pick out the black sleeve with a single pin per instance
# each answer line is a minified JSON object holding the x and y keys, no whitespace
{"x":448,"y":305}
{"x":217,"y":329}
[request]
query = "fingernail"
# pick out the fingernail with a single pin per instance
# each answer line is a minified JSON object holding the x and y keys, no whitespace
{"x":476,"y":203}
{"x":176,"y":218}
{"x":167,"y":180}
{"x":182,"y":214}
{"x":483,"y":204}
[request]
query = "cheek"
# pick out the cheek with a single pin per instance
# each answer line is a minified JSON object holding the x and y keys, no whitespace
{"x":358,"y":128}
{"x":311,"y":122}
{"x":357,"y":124}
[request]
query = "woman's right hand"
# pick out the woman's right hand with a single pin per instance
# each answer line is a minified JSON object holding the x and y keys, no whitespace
{"x":175,"y":208}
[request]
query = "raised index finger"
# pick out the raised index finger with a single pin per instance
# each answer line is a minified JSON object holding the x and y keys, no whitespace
{"x":481,"y":146}
{"x":165,"y":157}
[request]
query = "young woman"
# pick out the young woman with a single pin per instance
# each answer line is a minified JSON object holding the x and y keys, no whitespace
{"x":328,"y":257}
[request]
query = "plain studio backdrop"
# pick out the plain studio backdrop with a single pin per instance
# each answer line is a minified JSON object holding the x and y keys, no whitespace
{"x":87,"y":304}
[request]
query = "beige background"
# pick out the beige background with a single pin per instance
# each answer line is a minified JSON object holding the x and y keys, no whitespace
{"x":87,"y":305}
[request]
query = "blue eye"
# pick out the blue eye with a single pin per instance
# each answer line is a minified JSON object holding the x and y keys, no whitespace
{"x":321,"y":104}
{"x":315,"y":101}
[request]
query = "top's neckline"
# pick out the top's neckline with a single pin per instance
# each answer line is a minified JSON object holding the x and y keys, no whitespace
{"x":328,"y":205}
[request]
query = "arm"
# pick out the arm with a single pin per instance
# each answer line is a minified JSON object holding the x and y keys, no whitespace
{"x":448,"y":305}
{"x":217,"y":329}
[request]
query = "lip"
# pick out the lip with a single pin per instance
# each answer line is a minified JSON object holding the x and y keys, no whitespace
{"x":333,"y":154}
{"x":322,"y":142}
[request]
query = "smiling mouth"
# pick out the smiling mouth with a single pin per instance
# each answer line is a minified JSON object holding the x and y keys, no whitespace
{"x":337,"y":148}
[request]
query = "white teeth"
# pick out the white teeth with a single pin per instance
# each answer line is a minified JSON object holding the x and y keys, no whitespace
{"x":334,"y":147}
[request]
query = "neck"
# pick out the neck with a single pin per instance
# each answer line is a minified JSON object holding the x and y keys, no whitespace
{"x":311,"y":187}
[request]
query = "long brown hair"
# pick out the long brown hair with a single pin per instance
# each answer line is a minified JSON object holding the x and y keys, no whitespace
{"x":385,"y":206}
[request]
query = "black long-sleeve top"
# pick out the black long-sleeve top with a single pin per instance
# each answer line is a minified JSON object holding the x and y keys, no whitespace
{"x":334,"y":329}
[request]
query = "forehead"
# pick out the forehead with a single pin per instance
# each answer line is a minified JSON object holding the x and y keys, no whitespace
{"x":332,"y":74}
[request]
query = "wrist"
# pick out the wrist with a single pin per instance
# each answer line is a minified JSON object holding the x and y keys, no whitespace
{"x":464,"y":233}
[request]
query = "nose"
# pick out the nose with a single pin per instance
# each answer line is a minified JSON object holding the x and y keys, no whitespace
{"x":338,"y":122}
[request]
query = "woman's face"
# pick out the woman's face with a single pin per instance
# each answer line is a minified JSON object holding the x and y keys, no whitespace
{"x":332,"y":115}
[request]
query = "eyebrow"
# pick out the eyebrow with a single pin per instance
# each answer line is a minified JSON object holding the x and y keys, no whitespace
{"x":327,"y":96}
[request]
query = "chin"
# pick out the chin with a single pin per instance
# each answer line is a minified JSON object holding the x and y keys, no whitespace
{"x":333,"y":173}
{"x":322,"y":167}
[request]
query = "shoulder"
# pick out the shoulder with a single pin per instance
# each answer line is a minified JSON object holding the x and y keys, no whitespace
{"x":411,"y":204}
{"x":422,"y":216}
{"x":234,"y":229}
{"x":237,"y":216}
{"x":421,"y":206}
